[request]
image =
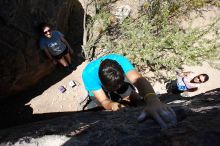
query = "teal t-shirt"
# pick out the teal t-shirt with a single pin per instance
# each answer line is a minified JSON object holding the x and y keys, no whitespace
{"x":90,"y":73}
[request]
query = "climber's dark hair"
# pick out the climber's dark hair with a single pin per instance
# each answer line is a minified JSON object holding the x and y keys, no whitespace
{"x":111,"y":74}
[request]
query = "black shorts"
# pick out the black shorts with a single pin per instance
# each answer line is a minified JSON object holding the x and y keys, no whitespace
{"x":57,"y":57}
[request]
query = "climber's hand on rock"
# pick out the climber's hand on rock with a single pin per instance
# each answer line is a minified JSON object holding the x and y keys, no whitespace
{"x":159,"y":111}
{"x":117,"y":106}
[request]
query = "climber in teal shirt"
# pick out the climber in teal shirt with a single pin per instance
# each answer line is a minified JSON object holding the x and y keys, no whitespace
{"x":113,"y":75}
{"x":90,"y":74}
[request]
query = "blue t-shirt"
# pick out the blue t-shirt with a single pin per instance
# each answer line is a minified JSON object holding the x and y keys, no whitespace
{"x":54,"y":44}
{"x":90,"y":73}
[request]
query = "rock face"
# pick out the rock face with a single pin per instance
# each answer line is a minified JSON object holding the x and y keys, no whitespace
{"x":198,"y":124}
{"x":22,"y":62}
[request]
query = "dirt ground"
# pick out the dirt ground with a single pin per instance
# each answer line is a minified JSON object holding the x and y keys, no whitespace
{"x":52,"y":100}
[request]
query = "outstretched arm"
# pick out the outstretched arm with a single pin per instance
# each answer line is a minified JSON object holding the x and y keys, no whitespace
{"x":161,"y":112}
{"x":140,"y":83}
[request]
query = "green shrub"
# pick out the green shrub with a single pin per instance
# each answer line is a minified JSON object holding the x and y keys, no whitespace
{"x":155,"y":41}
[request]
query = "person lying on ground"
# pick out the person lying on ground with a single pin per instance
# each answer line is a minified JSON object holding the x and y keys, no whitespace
{"x":55,"y":46}
{"x":189,"y":81}
{"x":111,"y":81}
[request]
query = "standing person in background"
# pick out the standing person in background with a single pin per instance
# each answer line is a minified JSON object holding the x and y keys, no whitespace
{"x":115,"y":74}
{"x":56,"y":46}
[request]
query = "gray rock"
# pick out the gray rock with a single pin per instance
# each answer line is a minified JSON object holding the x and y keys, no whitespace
{"x":194,"y":127}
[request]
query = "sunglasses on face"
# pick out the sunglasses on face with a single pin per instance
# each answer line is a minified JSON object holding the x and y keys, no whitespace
{"x":199,"y":79}
{"x":45,"y":32}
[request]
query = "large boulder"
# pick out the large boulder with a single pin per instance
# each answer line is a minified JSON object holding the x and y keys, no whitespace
{"x":198,"y":124}
{"x":22,"y":62}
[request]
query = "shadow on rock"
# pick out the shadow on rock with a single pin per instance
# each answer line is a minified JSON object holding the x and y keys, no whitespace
{"x":198,"y":125}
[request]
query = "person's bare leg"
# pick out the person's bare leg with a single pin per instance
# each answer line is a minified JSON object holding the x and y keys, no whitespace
{"x":63,"y":62}
{"x":68,"y":58}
